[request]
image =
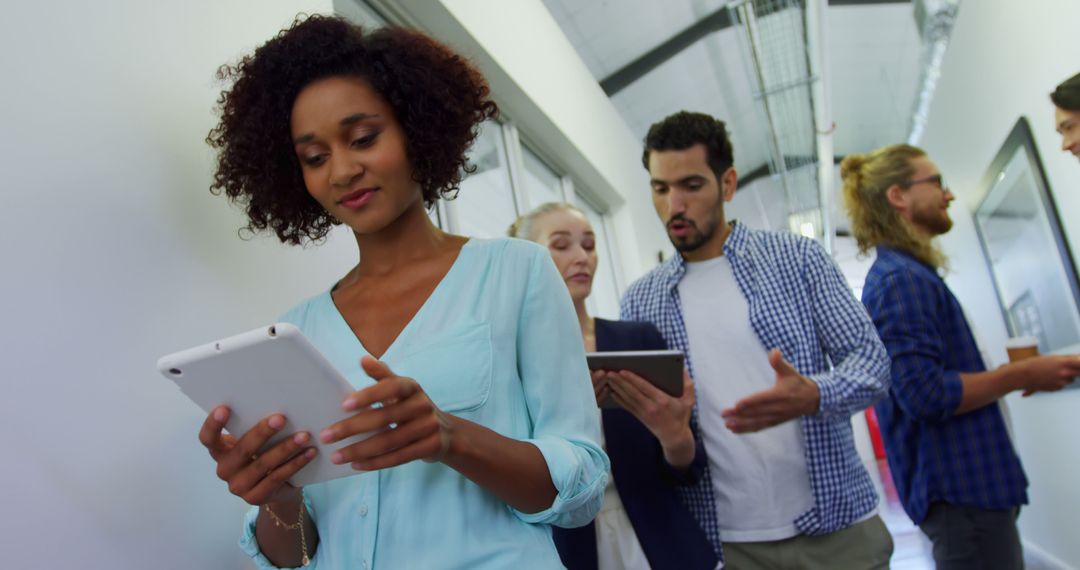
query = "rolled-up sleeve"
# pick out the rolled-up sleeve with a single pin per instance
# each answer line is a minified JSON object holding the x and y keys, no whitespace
{"x":860,"y":373}
{"x":560,"y":400}
{"x":903,"y":308}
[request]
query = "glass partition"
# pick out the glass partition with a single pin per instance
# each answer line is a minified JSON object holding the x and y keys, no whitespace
{"x":485,"y":206}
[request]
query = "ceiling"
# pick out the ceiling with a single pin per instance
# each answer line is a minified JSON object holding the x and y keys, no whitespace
{"x":873,"y":55}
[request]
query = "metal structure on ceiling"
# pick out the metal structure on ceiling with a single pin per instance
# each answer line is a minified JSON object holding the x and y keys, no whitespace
{"x":767,"y":60}
{"x":775,"y":41}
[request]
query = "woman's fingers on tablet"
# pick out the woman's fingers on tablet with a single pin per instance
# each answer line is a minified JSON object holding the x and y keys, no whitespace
{"x":371,"y":453}
{"x":688,"y":397}
{"x":249,"y":444}
{"x":388,"y":390}
{"x":599,"y":381}
{"x":274,"y":486}
{"x":602,"y":394}
{"x":368,"y":420}
{"x":627,"y":394}
{"x":601,"y":391}
{"x":210,"y":434}
{"x":251,"y":476}
{"x":431,"y":447}
{"x":270,"y":459}
{"x":377,"y":369}
{"x":418,"y":427}
{"x":642,"y":385}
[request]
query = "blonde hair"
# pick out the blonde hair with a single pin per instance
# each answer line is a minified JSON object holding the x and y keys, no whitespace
{"x":867,"y":179}
{"x":525,"y":226}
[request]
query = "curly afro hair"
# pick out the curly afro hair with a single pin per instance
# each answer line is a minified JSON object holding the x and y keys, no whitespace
{"x":439,"y":98}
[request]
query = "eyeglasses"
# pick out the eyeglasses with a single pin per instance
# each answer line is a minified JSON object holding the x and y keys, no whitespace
{"x":936,"y":180}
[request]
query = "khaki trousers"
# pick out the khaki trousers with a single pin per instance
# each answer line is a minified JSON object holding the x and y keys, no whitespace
{"x":862,"y":546}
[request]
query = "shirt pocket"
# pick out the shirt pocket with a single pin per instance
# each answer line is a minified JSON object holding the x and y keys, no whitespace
{"x":453,"y":367}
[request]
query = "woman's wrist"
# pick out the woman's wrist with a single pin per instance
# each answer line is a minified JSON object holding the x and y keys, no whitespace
{"x":288,"y":499}
{"x":679,"y":449}
{"x":285,"y":532}
{"x":458,"y":448}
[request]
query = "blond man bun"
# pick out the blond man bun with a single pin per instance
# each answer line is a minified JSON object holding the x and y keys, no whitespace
{"x":867,"y":179}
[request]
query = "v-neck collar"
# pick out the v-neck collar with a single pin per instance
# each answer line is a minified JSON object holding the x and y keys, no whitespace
{"x":340,"y":321}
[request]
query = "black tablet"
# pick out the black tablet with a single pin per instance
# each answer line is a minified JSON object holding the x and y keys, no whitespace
{"x":662,"y":368}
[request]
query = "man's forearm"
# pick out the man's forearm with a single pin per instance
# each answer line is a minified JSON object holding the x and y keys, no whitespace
{"x":984,"y":388}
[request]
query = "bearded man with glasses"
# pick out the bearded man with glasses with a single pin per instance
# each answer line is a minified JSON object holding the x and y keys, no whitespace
{"x":954,"y":465}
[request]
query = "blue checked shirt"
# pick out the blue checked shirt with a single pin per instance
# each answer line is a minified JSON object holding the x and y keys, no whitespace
{"x":800,"y":303}
{"x":935,"y":455}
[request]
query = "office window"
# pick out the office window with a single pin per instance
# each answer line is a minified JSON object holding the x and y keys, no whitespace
{"x":485,"y":205}
{"x":604,"y":300}
{"x":541,"y":183}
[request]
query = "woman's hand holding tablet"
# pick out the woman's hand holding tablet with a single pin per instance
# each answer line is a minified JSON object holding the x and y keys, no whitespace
{"x":656,"y":389}
{"x":258,"y":478}
{"x":272,"y":390}
{"x":408,"y":423}
{"x":661,"y":368}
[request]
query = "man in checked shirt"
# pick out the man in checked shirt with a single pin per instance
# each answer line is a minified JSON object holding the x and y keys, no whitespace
{"x":951,"y":457}
{"x":782,"y":354}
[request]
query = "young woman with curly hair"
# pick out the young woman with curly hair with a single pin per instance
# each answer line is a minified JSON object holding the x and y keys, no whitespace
{"x":470,"y":347}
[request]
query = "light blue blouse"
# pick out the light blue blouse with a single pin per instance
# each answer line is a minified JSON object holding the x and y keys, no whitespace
{"x":496,"y":343}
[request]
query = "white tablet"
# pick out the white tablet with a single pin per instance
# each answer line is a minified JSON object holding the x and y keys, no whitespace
{"x":662,"y":368}
{"x":269,"y":370}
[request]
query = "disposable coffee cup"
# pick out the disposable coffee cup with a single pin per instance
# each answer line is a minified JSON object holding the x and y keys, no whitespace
{"x":1022,"y":347}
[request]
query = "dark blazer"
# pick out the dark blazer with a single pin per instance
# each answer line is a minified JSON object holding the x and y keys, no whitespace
{"x":647,"y":485}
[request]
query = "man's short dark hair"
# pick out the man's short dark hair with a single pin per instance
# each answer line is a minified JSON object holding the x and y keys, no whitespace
{"x":684,"y":130}
{"x":1067,"y":95}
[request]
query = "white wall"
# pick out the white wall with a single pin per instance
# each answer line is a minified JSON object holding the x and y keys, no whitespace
{"x":540,"y":82}
{"x":114,"y":254}
{"x":1004,"y":58}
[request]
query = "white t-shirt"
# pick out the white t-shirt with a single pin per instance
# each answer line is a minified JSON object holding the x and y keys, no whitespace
{"x":760,"y":480}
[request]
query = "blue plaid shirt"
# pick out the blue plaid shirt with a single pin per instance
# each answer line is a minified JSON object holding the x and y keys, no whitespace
{"x":799,"y":302}
{"x":935,"y":455}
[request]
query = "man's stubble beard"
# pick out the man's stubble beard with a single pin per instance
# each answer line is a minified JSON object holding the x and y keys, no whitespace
{"x":695,"y":241}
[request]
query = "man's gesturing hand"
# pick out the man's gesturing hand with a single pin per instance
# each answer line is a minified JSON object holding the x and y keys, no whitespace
{"x":792,"y":396}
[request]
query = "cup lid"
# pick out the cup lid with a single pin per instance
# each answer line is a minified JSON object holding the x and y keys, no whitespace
{"x":1022,"y":342}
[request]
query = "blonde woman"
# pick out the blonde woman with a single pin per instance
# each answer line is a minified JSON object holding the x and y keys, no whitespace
{"x":642,"y":522}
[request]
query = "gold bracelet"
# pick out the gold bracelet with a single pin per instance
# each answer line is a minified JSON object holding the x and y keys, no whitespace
{"x":298,"y":525}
